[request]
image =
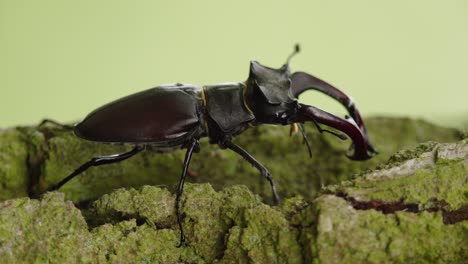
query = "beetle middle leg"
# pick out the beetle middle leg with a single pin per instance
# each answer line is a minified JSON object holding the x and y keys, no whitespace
{"x":193,"y":145}
{"x":97,"y":161}
{"x":247,"y":156}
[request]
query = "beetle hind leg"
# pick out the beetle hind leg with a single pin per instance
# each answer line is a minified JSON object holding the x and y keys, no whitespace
{"x":97,"y":161}
{"x":55,"y":123}
{"x":248,"y":157}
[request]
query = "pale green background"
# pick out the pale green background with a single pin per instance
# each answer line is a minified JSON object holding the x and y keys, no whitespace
{"x":61,"y":59}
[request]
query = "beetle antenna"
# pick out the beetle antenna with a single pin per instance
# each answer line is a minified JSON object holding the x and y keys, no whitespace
{"x":297,"y":49}
{"x":304,"y":138}
{"x":321,"y":130}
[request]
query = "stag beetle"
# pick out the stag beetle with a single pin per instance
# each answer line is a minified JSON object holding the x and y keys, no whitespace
{"x":177,"y":116}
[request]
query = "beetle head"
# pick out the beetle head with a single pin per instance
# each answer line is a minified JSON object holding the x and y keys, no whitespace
{"x":269,"y":94}
{"x":272,"y":95}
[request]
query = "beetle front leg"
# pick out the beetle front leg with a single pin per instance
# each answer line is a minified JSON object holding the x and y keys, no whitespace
{"x":180,"y":189}
{"x":248,"y":157}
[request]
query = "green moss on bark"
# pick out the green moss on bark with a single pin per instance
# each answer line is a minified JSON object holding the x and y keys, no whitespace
{"x":347,"y":235}
{"x":49,"y":230}
{"x":13,"y":172}
{"x":139,"y":226}
{"x":221,"y":227}
{"x":430,"y":177}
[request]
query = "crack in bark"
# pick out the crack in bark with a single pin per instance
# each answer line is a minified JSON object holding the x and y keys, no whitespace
{"x":453,"y":217}
{"x":390,"y":207}
{"x":383,"y":206}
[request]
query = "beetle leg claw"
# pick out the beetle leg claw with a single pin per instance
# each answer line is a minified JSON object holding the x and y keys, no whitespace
{"x":182,"y":241}
{"x":248,"y":157}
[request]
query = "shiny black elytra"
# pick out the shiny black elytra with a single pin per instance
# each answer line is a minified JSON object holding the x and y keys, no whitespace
{"x":177,"y":116}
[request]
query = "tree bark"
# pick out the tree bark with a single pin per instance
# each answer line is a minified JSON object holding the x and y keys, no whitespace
{"x":412,"y":208}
